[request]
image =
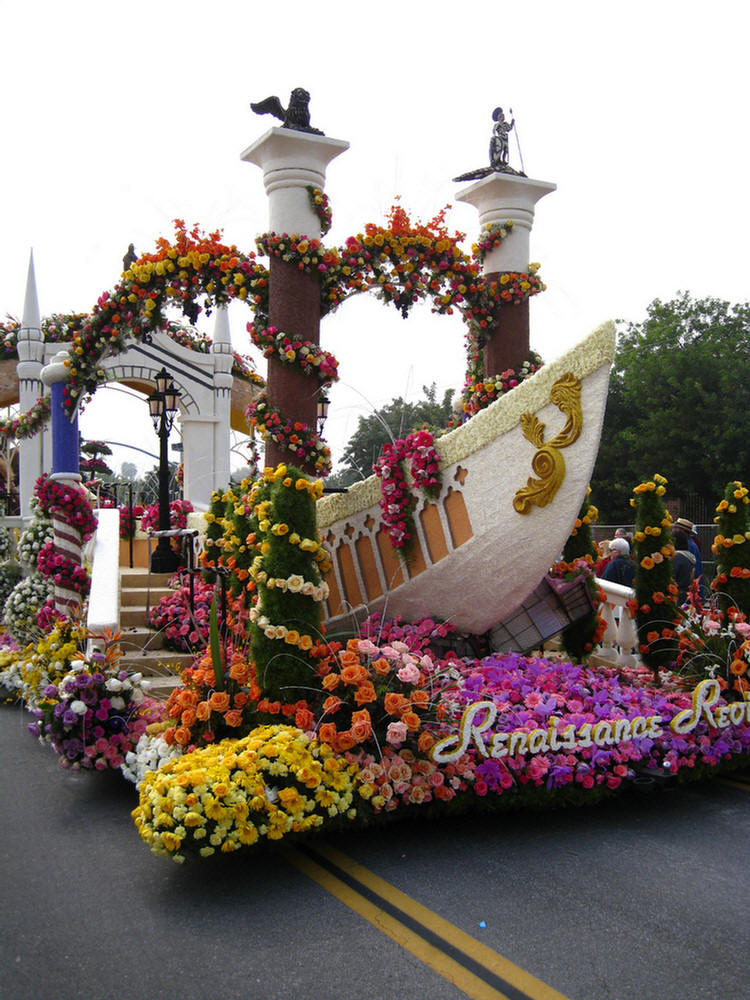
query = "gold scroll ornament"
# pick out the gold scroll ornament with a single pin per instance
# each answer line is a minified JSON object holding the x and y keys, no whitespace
{"x":548,"y":463}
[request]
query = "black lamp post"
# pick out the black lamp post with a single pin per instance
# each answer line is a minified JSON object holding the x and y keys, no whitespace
{"x":162,"y":405}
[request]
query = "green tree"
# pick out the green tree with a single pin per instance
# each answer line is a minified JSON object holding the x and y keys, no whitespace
{"x":678,"y":396}
{"x":394,"y":420}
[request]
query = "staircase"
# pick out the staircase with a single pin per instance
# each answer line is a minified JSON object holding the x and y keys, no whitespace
{"x":142,"y":646}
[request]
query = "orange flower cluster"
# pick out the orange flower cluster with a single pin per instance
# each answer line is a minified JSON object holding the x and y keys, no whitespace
{"x":202,"y":713}
{"x":367,"y":693}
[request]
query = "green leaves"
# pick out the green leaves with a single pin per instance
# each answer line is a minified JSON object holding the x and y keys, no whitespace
{"x":679,"y":391}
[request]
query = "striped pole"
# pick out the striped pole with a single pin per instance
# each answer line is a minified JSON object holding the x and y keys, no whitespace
{"x":67,"y":538}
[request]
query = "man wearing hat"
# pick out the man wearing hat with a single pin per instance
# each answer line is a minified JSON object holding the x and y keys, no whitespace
{"x":688,"y":528}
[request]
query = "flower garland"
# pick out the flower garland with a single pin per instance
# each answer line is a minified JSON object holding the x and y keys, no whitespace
{"x":480,"y":391}
{"x":305,"y":445}
{"x":56,"y":329}
{"x":308,"y":357}
{"x":26,"y":425}
{"x":403,"y":261}
{"x":69,"y":503}
{"x":491,"y":238}
{"x":321,"y":206}
{"x":397,"y":503}
{"x":62,"y":570}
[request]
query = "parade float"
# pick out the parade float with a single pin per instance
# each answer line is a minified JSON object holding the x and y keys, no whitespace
{"x":331,"y":687}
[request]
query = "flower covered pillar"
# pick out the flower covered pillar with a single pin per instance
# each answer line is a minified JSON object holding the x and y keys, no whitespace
{"x":68,"y":542}
{"x":501,"y":198}
{"x":293,"y":164}
{"x":30,"y":354}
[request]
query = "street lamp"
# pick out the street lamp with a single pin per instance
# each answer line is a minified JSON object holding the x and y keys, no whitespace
{"x":322,"y":412}
{"x":162,"y":406}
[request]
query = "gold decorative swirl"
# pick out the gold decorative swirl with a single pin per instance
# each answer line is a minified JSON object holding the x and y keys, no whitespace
{"x":548,"y":464}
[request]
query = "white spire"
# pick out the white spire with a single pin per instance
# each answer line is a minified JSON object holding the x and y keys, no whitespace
{"x":32,"y":319}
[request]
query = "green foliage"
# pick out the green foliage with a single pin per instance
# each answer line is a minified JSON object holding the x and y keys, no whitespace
{"x":394,"y":420}
{"x":287,"y":571}
{"x":212,"y":548}
{"x":581,"y":541}
{"x":215,"y":646}
{"x":579,"y":638}
{"x":655,"y":590}
{"x":681,"y":381}
{"x":732,"y":549}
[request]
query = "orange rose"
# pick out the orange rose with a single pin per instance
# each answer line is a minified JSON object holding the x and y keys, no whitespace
{"x":188,"y":717}
{"x":361,"y":728}
{"x":395,"y":703}
{"x":652,"y":637}
{"x":327,"y":733}
{"x":412,"y":721}
{"x":419,"y":697}
{"x":331,"y":682}
{"x":354,"y":674}
{"x":332,"y":704}
{"x":344,"y":741}
{"x":182,"y":736}
{"x":365,"y":693}
{"x":381,"y":666}
{"x":349,"y":659}
{"x":304,"y":719}
{"x":202,"y":711}
{"x":738,"y":667}
{"x":239,"y":671}
{"x":233,"y":718}
{"x":425,"y":741}
{"x":219,"y":701}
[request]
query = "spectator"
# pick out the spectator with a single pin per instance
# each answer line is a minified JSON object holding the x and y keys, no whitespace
{"x":682,"y":524}
{"x":622,"y":568}
{"x":605,"y":556}
{"x":683,"y":565}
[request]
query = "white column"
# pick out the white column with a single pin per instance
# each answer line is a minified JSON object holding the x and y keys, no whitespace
{"x":197,"y":456}
{"x":291,"y":161}
{"x":499,"y":198}
{"x":223,"y":360}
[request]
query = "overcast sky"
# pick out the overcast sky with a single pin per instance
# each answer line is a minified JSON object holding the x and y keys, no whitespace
{"x":118,"y":118}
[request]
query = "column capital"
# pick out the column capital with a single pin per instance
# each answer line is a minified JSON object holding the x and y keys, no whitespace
{"x":500,"y":198}
{"x":291,"y":161}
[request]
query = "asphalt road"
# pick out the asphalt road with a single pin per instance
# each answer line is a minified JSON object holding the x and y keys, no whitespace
{"x":644,"y":896}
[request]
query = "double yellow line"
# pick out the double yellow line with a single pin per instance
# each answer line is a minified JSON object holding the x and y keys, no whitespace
{"x":472,"y":967}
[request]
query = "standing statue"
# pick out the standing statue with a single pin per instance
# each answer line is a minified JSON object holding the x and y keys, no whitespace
{"x":499,"y":153}
{"x":296,"y":116}
{"x":499,"y":140}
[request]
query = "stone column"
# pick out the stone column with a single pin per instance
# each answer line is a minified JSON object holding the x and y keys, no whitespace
{"x":499,"y":198}
{"x":30,"y":388}
{"x":291,"y":161}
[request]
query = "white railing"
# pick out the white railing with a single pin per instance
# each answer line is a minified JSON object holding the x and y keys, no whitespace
{"x":104,"y":598}
{"x":620,"y":641}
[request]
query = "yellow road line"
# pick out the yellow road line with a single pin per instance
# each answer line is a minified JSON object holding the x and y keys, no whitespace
{"x":744,"y":785}
{"x":471,"y":966}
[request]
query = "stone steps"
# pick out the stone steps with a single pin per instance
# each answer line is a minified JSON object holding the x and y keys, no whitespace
{"x":142,"y":646}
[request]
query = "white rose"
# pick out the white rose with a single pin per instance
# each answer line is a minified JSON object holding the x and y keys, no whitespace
{"x":78,"y":707}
